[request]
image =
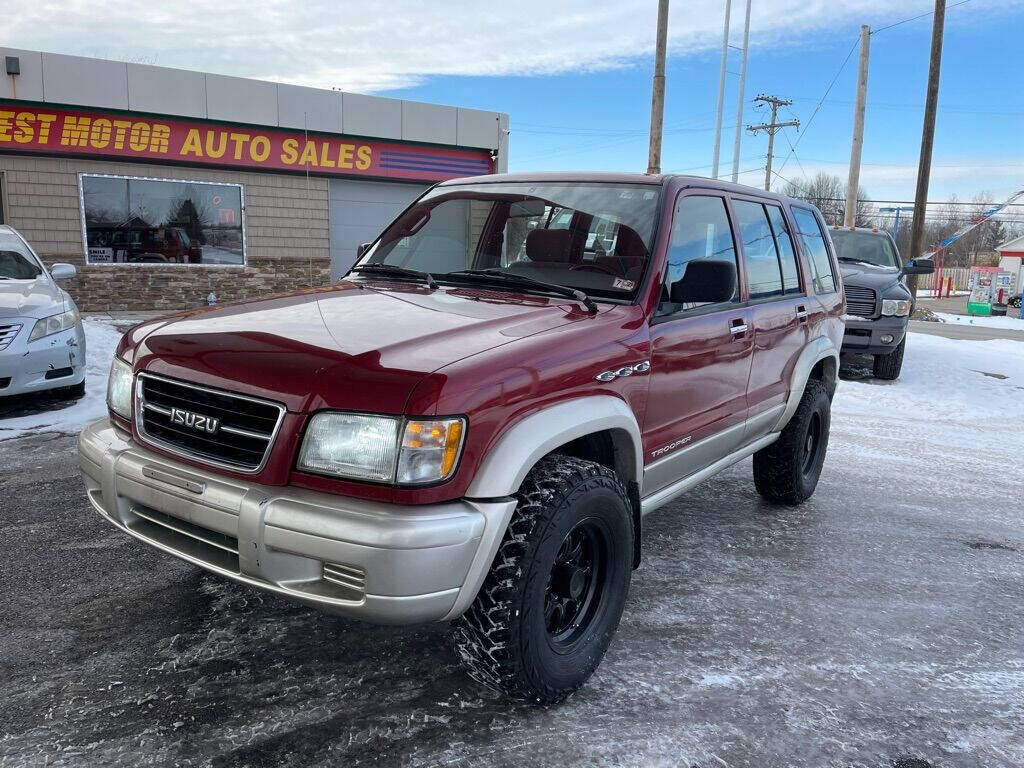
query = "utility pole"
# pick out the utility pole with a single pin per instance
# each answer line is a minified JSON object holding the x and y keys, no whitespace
{"x":739,"y":98}
{"x":772,"y":128}
{"x":721,"y":91}
{"x":857,"y":145}
{"x":658,"y":90}
{"x":924,"y":165}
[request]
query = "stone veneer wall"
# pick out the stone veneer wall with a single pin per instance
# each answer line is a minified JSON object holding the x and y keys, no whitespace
{"x":286,"y":230}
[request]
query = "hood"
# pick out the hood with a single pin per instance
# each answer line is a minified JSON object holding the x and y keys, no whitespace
{"x":30,"y":298}
{"x":350,"y":346}
{"x":869,"y":276}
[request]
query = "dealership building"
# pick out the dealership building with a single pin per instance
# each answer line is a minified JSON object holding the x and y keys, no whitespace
{"x":163,"y":186}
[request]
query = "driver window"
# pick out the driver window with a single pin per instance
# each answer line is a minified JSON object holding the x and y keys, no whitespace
{"x":701,"y":257}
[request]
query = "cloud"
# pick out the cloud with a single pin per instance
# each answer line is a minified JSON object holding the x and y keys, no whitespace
{"x":377,"y":46}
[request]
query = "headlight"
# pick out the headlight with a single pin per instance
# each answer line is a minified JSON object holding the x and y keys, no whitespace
{"x":54,"y":324}
{"x":119,"y":388}
{"x":895,"y":307}
{"x":381,"y":448}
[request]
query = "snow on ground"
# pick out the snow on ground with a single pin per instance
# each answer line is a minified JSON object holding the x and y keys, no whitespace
{"x":928,"y":293}
{"x":100,"y":339}
{"x":1009,"y":323}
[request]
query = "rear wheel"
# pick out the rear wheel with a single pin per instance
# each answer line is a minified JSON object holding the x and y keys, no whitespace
{"x":553,"y":598}
{"x":888,"y":366}
{"x":787,"y":471}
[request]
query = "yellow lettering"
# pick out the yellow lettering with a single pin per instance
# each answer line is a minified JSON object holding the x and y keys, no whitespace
{"x":23,"y":128}
{"x":259,"y":150}
{"x":44,"y":127}
{"x":221,"y":147}
{"x":138,"y":139}
{"x":75,"y":132}
{"x":121,"y":127}
{"x":345,"y":155}
{"x":364,"y":157}
{"x":289,"y":150}
{"x":99,"y":133}
{"x":159,"y":137}
{"x":5,"y":125}
{"x":308,"y":154}
{"x":240,"y":139}
{"x":192,"y":144}
{"x":325,"y":161}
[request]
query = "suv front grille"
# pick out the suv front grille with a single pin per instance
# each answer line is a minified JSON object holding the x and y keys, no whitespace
{"x":237,"y":433}
{"x":7,"y":334}
{"x":860,"y":301}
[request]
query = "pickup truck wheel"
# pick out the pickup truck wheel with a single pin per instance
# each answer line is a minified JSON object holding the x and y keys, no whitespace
{"x":787,"y":471}
{"x":547,"y":610}
{"x":888,"y":366}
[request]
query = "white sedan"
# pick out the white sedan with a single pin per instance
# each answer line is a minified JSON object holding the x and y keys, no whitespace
{"x":42,"y":343}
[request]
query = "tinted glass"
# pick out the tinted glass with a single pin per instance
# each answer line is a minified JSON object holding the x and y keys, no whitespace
{"x":763,"y":272}
{"x":16,"y":262}
{"x":700,"y":233}
{"x":873,"y":247}
{"x":595,"y":237}
{"x":787,"y":254}
{"x":813,"y":240}
{"x":151,"y":221}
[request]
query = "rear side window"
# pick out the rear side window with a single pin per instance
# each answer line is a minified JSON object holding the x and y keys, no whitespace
{"x":787,"y":254}
{"x":759,"y":254}
{"x":814,"y":243}
{"x":701,"y":256}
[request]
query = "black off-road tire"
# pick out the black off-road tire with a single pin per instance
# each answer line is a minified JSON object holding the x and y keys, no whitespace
{"x":503,"y":639}
{"x":787,"y":471}
{"x":888,"y":366}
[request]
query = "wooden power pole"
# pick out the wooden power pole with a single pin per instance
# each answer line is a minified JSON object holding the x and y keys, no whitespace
{"x":771,"y":128}
{"x":924,"y":165}
{"x":658,"y":90}
{"x":857,"y":145}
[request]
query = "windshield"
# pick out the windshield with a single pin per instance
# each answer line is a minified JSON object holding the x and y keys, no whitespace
{"x":872,"y":247}
{"x":16,"y":261}
{"x":589,"y":236}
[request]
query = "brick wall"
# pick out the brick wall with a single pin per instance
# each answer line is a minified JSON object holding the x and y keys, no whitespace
{"x":286,"y":230}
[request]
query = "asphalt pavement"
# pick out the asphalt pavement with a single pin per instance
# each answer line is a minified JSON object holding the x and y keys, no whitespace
{"x":879,"y":624}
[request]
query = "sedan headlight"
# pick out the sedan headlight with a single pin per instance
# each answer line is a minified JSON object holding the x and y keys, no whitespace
{"x":54,"y":324}
{"x":381,"y":448}
{"x":119,"y":388}
{"x":895,"y":307}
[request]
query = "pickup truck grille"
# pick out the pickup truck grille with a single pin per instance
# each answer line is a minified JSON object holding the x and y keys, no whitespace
{"x":237,"y":433}
{"x":7,"y":334}
{"x":860,"y":301}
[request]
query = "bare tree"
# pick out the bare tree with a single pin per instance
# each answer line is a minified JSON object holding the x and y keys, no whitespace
{"x":828,"y":194}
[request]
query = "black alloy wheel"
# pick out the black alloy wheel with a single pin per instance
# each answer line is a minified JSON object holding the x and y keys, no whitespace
{"x":576,"y":584}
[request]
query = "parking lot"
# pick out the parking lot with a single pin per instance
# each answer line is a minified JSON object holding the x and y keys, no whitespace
{"x":876,"y":625}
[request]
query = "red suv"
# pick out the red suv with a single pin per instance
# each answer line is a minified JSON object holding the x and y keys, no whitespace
{"x":472,"y":425}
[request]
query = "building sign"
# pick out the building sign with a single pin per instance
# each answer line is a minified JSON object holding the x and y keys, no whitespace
{"x":124,"y":136}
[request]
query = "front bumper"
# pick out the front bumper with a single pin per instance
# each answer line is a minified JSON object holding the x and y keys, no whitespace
{"x":864,"y":336}
{"x":25,"y":365}
{"x":385,"y":563}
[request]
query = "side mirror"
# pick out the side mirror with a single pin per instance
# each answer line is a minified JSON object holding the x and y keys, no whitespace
{"x":705,"y":282}
{"x":361,"y":249}
{"x":919,"y":267}
{"x":63,"y":271}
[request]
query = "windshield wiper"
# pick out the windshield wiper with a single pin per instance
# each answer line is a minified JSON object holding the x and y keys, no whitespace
{"x":859,"y":261}
{"x":498,"y":276}
{"x":396,"y":271}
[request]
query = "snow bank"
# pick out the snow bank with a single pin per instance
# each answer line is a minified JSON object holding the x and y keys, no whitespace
{"x":100,"y":339}
{"x":1009,"y":323}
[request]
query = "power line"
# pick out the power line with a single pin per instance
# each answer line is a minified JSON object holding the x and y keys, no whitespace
{"x":915,"y":18}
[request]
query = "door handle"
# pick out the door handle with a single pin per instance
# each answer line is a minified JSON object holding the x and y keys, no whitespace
{"x":738,"y":327}
{"x":801,"y":314}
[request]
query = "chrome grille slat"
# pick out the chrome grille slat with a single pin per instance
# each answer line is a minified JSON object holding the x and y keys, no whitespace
{"x":345,"y":576}
{"x":861,"y":302}
{"x":8,"y":334}
{"x":242,"y":439}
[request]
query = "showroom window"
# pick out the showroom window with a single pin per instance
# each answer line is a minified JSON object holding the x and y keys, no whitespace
{"x":131,"y":220}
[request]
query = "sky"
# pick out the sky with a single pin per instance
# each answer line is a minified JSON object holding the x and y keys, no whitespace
{"x":575,"y":76}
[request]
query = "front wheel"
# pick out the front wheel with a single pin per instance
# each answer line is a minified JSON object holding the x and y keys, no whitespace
{"x":888,"y":367}
{"x":551,"y":603}
{"x":787,"y":471}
